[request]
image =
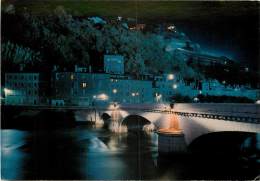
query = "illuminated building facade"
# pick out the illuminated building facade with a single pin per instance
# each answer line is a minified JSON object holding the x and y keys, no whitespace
{"x":81,"y":87}
{"x":127,"y":90}
{"x":24,"y":89}
{"x":78,"y":88}
{"x":114,"y":64}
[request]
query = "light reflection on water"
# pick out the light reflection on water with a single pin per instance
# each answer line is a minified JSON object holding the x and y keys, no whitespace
{"x":78,"y":153}
{"x":96,"y":153}
{"x":12,"y":157}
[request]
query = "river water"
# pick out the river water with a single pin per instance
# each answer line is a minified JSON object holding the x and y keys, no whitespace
{"x":85,"y":152}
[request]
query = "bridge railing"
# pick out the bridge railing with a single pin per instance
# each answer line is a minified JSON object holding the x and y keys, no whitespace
{"x":188,"y":110}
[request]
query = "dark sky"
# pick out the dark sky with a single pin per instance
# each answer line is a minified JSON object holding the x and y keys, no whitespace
{"x":230,"y":29}
{"x":237,"y":38}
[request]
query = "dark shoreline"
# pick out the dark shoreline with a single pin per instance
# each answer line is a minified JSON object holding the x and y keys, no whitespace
{"x":16,"y":117}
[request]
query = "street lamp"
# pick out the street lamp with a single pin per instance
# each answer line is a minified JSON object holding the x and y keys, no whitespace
{"x":170,"y":77}
{"x":158,"y":97}
{"x":175,"y":86}
{"x":196,"y":99}
{"x":115,"y":105}
{"x":7,"y":91}
{"x":114,"y":91}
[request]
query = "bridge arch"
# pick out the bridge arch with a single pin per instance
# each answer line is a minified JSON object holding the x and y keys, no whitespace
{"x":135,"y":122}
{"x":228,"y":142}
{"x":105,"y":116}
{"x":156,"y":118}
{"x":194,"y":127}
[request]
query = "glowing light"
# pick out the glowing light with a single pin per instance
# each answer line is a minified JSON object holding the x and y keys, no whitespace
{"x":170,"y":77}
{"x":171,"y":27}
{"x":133,"y":94}
{"x":158,"y":97}
{"x":94,"y":96}
{"x":102,"y":97}
{"x":71,"y":77}
{"x":149,"y":127}
{"x":196,"y":99}
{"x":200,"y":92}
{"x":175,"y":86}
{"x":114,"y":91}
{"x":7,"y":91}
{"x":84,"y":84}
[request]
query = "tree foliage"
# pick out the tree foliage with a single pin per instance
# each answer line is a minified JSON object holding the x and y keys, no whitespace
{"x":66,"y":40}
{"x":17,"y":54}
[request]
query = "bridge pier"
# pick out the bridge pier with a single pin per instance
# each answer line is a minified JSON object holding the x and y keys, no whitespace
{"x":171,"y":140}
{"x":115,"y":124}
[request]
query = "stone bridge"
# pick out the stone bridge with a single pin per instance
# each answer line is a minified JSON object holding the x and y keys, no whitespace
{"x":201,"y":119}
{"x":158,"y":115}
{"x":194,"y":120}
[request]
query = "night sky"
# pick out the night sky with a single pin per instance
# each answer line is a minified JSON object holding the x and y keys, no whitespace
{"x":221,"y":28}
{"x":236,"y":38}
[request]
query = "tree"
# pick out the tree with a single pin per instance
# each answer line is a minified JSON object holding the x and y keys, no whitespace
{"x":17,"y":54}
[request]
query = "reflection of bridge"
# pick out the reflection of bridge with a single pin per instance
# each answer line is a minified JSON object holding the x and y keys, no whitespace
{"x":195,"y":120}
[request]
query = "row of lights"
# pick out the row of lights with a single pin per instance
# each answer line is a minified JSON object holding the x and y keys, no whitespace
{"x":171,"y":77}
{"x":133,"y":94}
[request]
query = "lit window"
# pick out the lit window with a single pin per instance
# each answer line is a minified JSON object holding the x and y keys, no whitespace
{"x":84,"y":84}
{"x":71,"y":77}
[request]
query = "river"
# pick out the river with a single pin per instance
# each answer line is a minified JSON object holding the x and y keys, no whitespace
{"x":90,"y":153}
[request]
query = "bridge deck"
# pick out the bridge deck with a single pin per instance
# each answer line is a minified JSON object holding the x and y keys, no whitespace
{"x":249,"y":117}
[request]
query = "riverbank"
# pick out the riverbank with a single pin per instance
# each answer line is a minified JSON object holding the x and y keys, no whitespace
{"x":14,"y":117}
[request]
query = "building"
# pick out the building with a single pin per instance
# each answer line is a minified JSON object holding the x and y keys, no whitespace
{"x":84,"y":88}
{"x":124,"y":89}
{"x":200,"y":58}
{"x":24,"y":89}
{"x":138,"y":27}
{"x":164,"y":87}
{"x":215,"y":88}
{"x":89,"y":89}
{"x":79,"y":88}
{"x":114,"y":64}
